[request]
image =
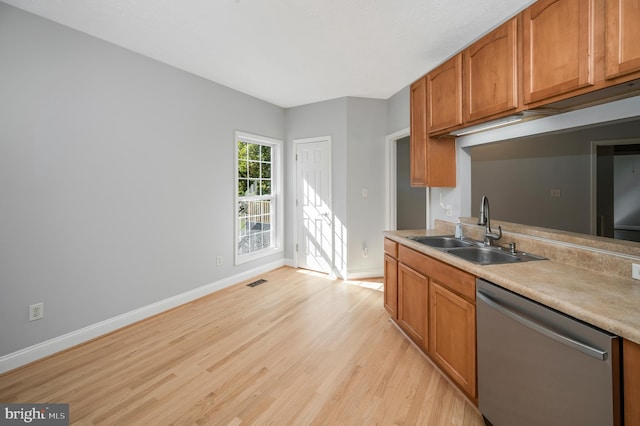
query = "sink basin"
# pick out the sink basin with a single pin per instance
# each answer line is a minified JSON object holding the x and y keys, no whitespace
{"x":472,"y":250}
{"x":442,"y":242}
{"x":484,"y":255}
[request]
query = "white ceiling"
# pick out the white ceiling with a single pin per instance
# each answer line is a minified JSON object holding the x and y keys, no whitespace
{"x":289,"y":52}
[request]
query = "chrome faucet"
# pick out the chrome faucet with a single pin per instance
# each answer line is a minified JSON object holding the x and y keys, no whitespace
{"x":485,"y":219}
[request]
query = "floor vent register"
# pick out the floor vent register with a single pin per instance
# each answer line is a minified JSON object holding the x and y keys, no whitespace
{"x":256,"y":283}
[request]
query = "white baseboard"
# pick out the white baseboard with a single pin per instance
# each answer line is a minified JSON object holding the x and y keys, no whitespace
{"x":365,"y":273}
{"x":68,"y":340}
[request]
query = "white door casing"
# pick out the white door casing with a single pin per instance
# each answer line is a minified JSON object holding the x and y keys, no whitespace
{"x":314,"y":217}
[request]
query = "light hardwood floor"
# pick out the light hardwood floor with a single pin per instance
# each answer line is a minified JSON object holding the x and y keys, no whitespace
{"x":299,"y":349}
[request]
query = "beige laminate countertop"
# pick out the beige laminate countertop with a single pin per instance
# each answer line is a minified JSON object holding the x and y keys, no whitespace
{"x":608,"y":302}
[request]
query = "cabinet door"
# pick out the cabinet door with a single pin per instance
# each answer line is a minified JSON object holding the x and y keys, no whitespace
{"x":559,"y":36}
{"x":413,"y":293}
{"x":623,"y":38}
{"x":418,"y":137}
{"x":391,"y":285}
{"x":433,"y":161}
{"x":631,"y":380}
{"x":444,"y":95}
{"x":491,"y":73}
{"x":452,"y":336}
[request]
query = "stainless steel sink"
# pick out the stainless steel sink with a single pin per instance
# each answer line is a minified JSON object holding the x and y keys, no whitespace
{"x":474,"y":251}
{"x":485,"y":255}
{"x":442,"y":241}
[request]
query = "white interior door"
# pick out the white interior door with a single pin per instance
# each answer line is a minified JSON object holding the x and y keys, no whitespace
{"x":314,"y":218}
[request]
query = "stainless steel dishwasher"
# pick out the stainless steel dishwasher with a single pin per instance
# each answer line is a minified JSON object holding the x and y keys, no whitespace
{"x":537,"y":366}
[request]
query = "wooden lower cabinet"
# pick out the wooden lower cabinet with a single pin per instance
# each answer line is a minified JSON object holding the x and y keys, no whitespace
{"x":413,"y":294}
{"x":452,"y":336}
{"x":391,"y":277}
{"x":391,"y":285}
{"x":434,"y":303}
{"x":631,"y":382}
{"x":436,"y":309}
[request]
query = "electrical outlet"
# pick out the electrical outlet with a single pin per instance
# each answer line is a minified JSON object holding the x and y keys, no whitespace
{"x":555,"y":193}
{"x":219,"y":261}
{"x":36,"y":311}
{"x":635,"y":271}
{"x":365,"y":252}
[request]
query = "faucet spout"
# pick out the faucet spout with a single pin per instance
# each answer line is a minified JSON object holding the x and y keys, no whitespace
{"x":484,"y":210}
{"x":485,"y":219}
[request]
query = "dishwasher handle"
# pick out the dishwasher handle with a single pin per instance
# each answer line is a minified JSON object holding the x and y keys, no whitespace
{"x":540,"y":328}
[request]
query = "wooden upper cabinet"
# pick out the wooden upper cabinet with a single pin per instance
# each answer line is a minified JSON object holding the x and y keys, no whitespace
{"x":433,"y":161}
{"x":444,"y":95}
{"x":623,"y":38}
{"x":418,"y":137}
{"x":558,"y":48}
{"x":491,"y":73}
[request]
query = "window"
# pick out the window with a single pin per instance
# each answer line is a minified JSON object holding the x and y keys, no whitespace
{"x":258,"y":196}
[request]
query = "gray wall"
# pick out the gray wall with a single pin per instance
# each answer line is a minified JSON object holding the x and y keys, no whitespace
{"x":411,"y":202}
{"x":398,"y":111}
{"x":366,"y":131}
{"x":518,"y":176}
{"x":116,"y":178}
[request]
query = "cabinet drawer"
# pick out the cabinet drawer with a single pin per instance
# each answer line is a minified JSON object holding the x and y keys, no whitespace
{"x":458,"y":281}
{"x":391,"y":247}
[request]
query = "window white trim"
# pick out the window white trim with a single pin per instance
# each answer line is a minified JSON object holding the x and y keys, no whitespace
{"x":277,"y":178}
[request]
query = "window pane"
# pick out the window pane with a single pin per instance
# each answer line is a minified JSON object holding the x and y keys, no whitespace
{"x":265,"y":187}
{"x":266,"y":153}
{"x":254,"y":226}
{"x":242,"y":150}
{"x":243,"y":245}
{"x":242,"y":169}
{"x":266,"y":170}
{"x":254,"y":169}
{"x":243,"y":184}
{"x":253,"y":188}
{"x":254,"y":152}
